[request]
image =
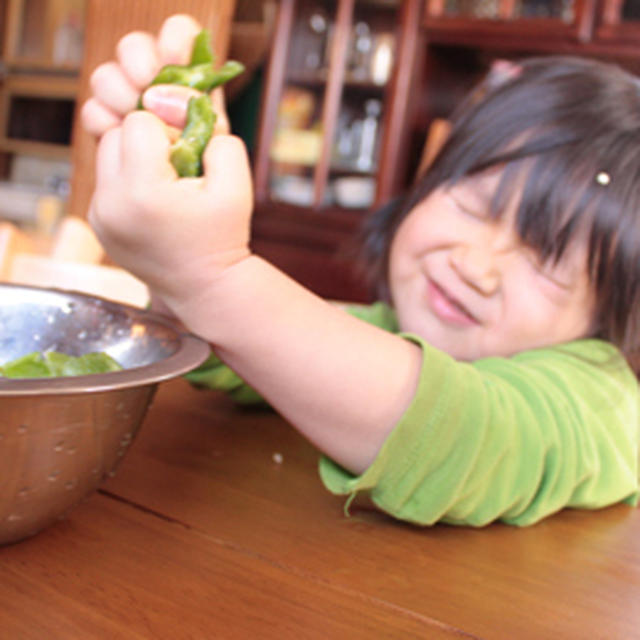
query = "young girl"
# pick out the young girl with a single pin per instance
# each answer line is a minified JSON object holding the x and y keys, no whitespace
{"x":496,"y":379}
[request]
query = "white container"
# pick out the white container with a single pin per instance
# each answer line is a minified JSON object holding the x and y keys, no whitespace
{"x":354,"y":192}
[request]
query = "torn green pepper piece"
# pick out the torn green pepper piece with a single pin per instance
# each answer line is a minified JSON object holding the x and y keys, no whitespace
{"x":202,"y":51}
{"x":186,"y":151}
{"x":200,"y":76}
{"x":228,"y":71}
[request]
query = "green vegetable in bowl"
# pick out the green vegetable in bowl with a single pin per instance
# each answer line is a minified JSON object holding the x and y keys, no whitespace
{"x":200,"y":74}
{"x":52,"y":364}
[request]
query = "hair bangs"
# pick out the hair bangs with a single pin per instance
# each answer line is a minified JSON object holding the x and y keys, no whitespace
{"x":564,"y":133}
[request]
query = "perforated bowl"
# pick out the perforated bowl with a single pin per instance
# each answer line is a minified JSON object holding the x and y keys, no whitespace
{"x":60,"y":437}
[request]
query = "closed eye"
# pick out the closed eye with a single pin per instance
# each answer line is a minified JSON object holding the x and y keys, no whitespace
{"x":553,"y":272}
{"x":470,"y":210}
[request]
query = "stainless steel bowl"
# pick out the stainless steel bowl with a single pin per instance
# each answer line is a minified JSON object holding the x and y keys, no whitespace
{"x":60,"y":437}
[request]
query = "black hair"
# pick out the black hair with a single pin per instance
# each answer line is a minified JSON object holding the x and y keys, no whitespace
{"x":573,"y":126}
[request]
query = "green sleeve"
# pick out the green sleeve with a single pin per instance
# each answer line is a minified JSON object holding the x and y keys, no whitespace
{"x":214,"y":374}
{"x":512,"y":439}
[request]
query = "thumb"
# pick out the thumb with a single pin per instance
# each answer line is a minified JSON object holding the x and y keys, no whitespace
{"x":222,"y":119}
{"x":169,"y":102}
{"x":228,"y":173}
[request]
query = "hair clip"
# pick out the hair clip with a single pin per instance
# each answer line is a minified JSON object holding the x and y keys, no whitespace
{"x":603,"y":178}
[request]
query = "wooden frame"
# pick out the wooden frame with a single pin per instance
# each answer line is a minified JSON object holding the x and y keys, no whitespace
{"x":398,"y":102}
{"x":306,"y":240}
{"x":54,"y":15}
{"x":473,"y":31}
{"x":612,"y":29}
{"x":34,"y":86}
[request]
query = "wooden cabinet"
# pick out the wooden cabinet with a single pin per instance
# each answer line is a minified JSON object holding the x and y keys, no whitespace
{"x":42,"y":52}
{"x":604,"y":28}
{"x":315,"y":90}
{"x":465,"y":36}
{"x":551,"y":20}
{"x":619,"y":22}
{"x":333,"y":132}
{"x":44,"y":34}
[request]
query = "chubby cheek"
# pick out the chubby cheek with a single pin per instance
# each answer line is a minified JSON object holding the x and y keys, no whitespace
{"x":538,"y":313}
{"x":411,"y":241}
{"x":399,"y":263}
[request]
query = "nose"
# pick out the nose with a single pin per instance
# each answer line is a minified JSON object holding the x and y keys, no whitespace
{"x":480,"y":258}
{"x":476,"y":265}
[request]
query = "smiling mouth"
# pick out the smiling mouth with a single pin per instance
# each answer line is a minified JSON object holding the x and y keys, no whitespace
{"x":449,"y":309}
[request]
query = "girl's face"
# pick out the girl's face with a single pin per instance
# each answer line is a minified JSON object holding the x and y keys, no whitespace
{"x":469,"y":286}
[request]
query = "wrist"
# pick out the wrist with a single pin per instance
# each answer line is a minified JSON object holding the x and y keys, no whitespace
{"x":197,"y":286}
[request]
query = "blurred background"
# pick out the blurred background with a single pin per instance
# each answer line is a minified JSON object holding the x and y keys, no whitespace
{"x":343,"y":104}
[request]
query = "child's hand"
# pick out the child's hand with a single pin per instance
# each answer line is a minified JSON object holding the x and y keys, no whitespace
{"x":118,"y":85}
{"x":172,"y":233}
{"x":176,"y":234}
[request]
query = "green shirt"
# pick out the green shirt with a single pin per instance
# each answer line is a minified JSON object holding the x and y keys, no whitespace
{"x":511,"y":439}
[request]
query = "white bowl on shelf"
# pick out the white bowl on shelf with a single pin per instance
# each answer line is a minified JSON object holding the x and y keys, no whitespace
{"x":297,"y":190}
{"x":354,"y":192}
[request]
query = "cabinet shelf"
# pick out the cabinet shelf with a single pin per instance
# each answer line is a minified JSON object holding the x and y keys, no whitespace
{"x":319,"y":80}
{"x":340,"y":70}
{"x":440,"y":49}
{"x":43,"y":65}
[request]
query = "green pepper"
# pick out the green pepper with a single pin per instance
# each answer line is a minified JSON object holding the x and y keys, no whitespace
{"x":202,"y":77}
{"x":186,"y":152}
{"x":200,"y":74}
{"x":52,"y":364}
{"x":201,"y":51}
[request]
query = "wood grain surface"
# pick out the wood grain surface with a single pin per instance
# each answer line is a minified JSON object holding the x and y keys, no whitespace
{"x":205,"y":533}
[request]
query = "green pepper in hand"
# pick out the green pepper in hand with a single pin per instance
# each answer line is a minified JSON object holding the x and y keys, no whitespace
{"x":186,"y":152}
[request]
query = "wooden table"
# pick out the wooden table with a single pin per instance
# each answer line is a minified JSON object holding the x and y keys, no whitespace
{"x":217,"y":526}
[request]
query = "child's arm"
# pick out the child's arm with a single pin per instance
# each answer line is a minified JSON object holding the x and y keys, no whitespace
{"x":342,"y":383}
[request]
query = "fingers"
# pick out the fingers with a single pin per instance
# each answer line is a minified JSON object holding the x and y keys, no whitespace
{"x":138,"y":56}
{"x":137,"y":151}
{"x":108,"y":159}
{"x":227,"y":173}
{"x":222,"y":120}
{"x":145,"y":150}
{"x":113,"y":89}
{"x":176,"y":38}
{"x":96,"y":118}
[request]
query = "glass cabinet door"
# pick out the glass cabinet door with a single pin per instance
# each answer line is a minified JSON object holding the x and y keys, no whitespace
{"x":630,"y":11}
{"x":536,"y":18}
{"x":325,"y":147}
{"x":297,"y":139}
{"x":488,"y":9}
{"x":45,"y":34}
{"x":619,"y":22}
{"x":356,"y":142}
{"x":504,"y":9}
{"x":563,"y":10}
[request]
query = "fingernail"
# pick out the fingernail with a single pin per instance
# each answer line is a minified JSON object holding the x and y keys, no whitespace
{"x":162,"y":97}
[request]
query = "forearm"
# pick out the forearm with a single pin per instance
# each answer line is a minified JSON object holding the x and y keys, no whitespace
{"x":343,"y":383}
